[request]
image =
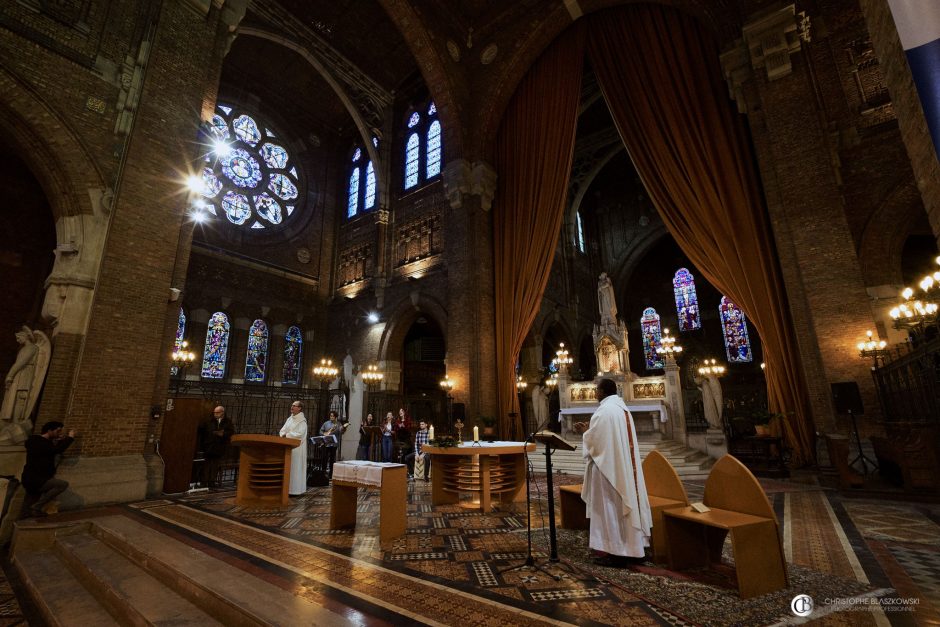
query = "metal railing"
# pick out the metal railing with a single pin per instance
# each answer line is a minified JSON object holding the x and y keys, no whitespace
{"x":908,"y":383}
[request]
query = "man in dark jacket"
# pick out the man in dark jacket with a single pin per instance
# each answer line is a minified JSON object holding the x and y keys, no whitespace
{"x":214,"y":436}
{"x":39,"y":472}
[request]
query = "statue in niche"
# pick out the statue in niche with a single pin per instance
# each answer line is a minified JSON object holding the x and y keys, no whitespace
{"x":605,"y":300}
{"x":607,"y":356}
{"x":540,"y":395}
{"x":712,"y":399}
{"x":22,"y":385}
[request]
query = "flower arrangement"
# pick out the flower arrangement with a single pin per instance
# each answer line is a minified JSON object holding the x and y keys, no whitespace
{"x":444,"y":441}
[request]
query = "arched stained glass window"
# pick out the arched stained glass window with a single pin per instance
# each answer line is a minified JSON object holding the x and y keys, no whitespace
{"x":256,"y":359}
{"x":434,"y":149}
{"x":652,"y":338}
{"x":248,"y":178}
{"x":683,"y":284}
{"x":216,"y":351}
{"x":293,"y":351}
{"x":580,"y":226}
{"x":412,"y":150}
{"x":352,"y":208}
{"x":734,"y":325}
{"x":370,"y":187}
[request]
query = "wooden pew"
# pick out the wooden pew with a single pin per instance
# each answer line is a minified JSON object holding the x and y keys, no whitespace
{"x":665,"y":491}
{"x":573,"y":512}
{"x":740,"y":507}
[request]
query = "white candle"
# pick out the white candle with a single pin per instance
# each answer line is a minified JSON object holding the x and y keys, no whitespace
{"x":476,"y":434}
{"x":431,"y":433}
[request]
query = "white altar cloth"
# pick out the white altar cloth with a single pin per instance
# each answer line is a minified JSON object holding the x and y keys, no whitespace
{"x":361,"y":471}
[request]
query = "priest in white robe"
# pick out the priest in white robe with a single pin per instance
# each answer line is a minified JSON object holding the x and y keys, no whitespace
{"x":296,"y":427}
{"x":614,"y":490}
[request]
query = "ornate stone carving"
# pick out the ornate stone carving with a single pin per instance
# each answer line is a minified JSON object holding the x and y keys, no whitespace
{"x":771,"y":40}
{"x":419,"y":239}
{"x":352,"y":264}
{"x":462,"y":178}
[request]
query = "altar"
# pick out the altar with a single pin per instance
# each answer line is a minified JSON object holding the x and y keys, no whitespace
{"x":484,"y":468}
{"x":582,"y":413}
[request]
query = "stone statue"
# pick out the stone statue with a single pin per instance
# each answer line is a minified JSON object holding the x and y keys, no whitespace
{"x":348,"y":371}
{"x":606,"y":300}
{"x":607,"y":356}
{"x":22,"y":385}
{"x":712,"y":399}
{"x":540,"y":395}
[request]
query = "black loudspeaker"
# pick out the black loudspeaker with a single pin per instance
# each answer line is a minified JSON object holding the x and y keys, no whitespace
{"x":460,"y":412}
{"x":847,"y":398}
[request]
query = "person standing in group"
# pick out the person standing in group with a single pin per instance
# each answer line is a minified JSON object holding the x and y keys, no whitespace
{"x":388,"y":437}
{"x":421,"y":439}
{"x":403,"y":434}
{"x":614,"y":490}
{"x":365,"y":439}
{"x":332,"y":432}
{"x":296,"y":427}
{"x":39,"y":472}
{"x":214,"y":436}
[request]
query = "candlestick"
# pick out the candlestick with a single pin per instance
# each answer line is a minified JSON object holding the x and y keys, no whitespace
{"x":476,"y":434}
{"x":431,"y":433}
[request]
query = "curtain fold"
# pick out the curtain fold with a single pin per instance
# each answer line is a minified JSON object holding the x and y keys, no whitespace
{"x":658,"y":71}
{"x":534,"y":151}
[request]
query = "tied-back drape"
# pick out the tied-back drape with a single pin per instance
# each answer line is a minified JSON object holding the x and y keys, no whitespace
{"x":534,"y":150}
{"x":658,"y":71}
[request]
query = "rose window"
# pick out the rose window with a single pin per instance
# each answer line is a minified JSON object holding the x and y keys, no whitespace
{"x":249,"y":176}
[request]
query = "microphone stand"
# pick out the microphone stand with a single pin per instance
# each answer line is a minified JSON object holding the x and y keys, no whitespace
{"x":529,"y":560}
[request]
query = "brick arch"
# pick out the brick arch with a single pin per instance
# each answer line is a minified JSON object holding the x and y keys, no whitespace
{"x":438,"y":71}
{"x":49,"y":147}
{"x":401,"y":319}
{"x":888,"y":227}
{"x":624,"y":266}
{"x":527,"y":51}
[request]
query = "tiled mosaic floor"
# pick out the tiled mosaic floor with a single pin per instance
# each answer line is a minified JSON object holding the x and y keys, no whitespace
{"x":447,"y":568}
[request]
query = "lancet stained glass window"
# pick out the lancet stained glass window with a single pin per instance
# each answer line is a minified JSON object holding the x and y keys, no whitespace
{"x":216,"y":351}
{"x":423,"y":148}
{"x":434,"y":150}
{"x":652,"y":338}
{"x":734,"y":325}
{"x":180,"y":332}
{"x":412,"y":155}
{"x":683,"y":284}
{"x":580,"y":226}
{"x":352,"y":208}
{"x":370,"y":187}
{"x":256,"y":360}
{"x":293,"y":351}
{"x":248,"y":178}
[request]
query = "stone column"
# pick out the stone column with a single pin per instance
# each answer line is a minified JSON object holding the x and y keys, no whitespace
{"x":771,"y":74}
{"x":675,"y":428}
{"x":468,"y":243}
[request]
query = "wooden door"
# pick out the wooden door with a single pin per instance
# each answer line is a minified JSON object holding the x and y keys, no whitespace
{"x":179,"y":441}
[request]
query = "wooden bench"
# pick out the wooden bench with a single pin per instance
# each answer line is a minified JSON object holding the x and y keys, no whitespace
{"x":573,"y":513}
{"x":740,"y":507}
{"x":665,"y":491}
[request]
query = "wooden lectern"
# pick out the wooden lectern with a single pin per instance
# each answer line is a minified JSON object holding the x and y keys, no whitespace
{"x":264,"y":469}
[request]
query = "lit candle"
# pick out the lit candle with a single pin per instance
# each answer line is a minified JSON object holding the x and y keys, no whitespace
{"x":476,"y":434}
{"x":431,"y":433}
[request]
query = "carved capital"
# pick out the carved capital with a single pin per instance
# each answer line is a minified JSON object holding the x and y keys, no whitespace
{"x":736,"y":67}
{"x":381,"y":216}
{"x":475,"y":179}
{"x":773,"y":37}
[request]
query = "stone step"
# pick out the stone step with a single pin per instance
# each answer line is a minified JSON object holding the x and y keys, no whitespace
{"x":58,"y":595}
{"x":689,"y":463}
{"x":114,"y":570}
{"x":125,"y":589}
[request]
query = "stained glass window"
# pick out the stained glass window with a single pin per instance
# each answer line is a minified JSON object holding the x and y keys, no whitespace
{"x":652,"y":338}
{"x":683,"y":284}
{"x":352,"y":206}
{"x":580,"y":232}
{"x":734,"y":324}
{"x":414,"y":120}
{"x":216,"y":352}
{"x":247,"y":176}
{"x":180,"y":331}
{"x":293,"y":351}
{"x":257,"y":358}
{"x":434,"y":149}
{"x":370,"y":187}
{"x":411,"y":161}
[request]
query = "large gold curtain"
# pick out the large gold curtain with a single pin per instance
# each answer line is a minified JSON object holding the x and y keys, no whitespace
{"x":659,"y":73}
{"x":534,"y":150}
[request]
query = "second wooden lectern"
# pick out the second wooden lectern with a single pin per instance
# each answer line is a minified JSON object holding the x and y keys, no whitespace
{"x":264,"y":469}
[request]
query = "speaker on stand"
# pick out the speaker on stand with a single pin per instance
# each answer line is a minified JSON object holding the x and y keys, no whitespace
{"x":848,"y":400}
